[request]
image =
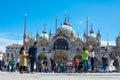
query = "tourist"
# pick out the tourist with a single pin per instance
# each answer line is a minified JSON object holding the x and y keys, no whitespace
{"x":1,"y":60}
{"x":61,"y":67}
{"x":92,"y":59}
{"x":46,"y":66}
{"x":23,"y":60}
{"x":33,"y":55}
{"x":80,"y":67}
{"x":104,"y":62}
{"x":85,"y":55}
{"x":116,"y":62}
{"x":76,"y":64}
{"x":52,"y":64}
{"x":6,"y":65}
{"x":17,"y":64}
{"x":40,"y":67}
{"x":12,"y":64}
{"x":111,"y":67}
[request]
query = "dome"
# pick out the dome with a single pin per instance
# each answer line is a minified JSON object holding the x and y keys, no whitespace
{"x":67,"y":29}
{"x":92,"y":36}
{"x":44,"y":36}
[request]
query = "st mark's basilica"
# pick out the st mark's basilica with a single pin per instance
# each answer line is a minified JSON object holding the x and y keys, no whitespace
{"x":64,"y":45}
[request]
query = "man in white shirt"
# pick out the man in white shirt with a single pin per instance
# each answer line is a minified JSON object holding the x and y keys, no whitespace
{"x":1,"y":59}
{"x":92,"y":59}
{"x":17,"y":65}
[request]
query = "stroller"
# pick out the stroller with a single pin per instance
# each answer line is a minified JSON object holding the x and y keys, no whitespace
{"x":69,"y":67}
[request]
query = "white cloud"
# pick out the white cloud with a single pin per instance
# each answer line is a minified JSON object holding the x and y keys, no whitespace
{"x":111,"y":43}
{"x":6,"y":41}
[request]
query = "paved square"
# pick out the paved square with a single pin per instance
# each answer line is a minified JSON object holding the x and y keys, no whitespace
{"x":59,"y":76}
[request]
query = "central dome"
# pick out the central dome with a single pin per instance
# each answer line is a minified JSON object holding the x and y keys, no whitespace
{"x":44,"y":36}
{"x":66,"y":29}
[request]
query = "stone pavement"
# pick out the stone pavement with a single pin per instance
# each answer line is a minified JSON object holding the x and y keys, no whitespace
{"x":59,"y":76}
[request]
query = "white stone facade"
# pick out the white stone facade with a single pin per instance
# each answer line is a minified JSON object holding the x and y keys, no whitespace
{"x":64,"y":44}
{"x":12,"y":51}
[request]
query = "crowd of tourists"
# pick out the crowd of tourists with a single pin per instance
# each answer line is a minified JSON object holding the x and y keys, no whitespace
{"x":28,"y":63}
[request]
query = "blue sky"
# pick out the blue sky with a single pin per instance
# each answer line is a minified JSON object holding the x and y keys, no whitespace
{"x":104,"y":14}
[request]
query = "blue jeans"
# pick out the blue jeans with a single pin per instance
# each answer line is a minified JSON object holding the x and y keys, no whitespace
{"x":104,"y":65}
{"x":32,"y":60}
{"x":0,"y":65}
{"x":12,"y":67}
{"x":37,"y":64}
{"x":92,"y":63}
{"x":85,"y":65}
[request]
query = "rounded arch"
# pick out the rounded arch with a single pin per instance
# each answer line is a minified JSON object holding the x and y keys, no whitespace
{"x":61,"y":44}
{"x":60,"y":37}
{"x":60,"y":57}
{"x":42,"y":57}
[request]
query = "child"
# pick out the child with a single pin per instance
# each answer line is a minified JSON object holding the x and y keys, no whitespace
{"x":23,"y":60}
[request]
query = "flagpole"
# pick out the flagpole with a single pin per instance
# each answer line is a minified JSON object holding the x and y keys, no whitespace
{"x":56,"y":33}
{"x":24,"y":42}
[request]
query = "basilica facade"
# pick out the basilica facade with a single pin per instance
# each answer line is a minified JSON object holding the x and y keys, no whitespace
{"x":64,"y":45}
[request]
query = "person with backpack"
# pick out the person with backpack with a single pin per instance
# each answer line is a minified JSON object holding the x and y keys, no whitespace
{"x":33,"y":56}
{"x":12,"y":63}
{"x":104,"y":62}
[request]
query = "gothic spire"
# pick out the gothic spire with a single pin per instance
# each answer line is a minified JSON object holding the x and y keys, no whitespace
{"x":29,"y":35}
{"x":50,"y":33}
{"x":84,"y":33}
{"x":44,"y":31}
{"x":65,"y":21}
{"x":38,"y":32}
{"x":78,"y":35}
{"x":98,"y":32}
{"x":68,"y":19}
{"x":91,"y":31}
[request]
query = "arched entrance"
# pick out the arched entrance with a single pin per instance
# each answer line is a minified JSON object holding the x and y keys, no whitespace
{"x":42,"y":57}
{"x":60,"y":57}
{"x":61,"y":44}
